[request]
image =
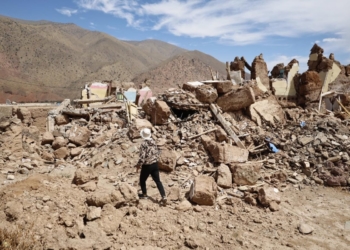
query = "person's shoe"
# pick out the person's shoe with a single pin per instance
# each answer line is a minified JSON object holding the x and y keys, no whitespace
{"x":163,"y":201}
{"x":143,"y":196}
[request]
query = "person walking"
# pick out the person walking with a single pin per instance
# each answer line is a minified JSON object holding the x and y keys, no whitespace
{"x":148,"y":162}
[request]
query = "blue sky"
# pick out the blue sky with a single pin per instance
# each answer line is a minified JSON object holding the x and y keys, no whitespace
{"x":280,"y":29}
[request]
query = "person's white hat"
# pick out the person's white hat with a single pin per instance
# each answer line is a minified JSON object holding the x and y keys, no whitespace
{"x":145,"y":133}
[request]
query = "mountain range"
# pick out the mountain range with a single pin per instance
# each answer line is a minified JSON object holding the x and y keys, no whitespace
{"x":47,"y":61}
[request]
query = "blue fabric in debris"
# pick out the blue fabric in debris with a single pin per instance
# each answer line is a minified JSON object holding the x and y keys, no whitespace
{"x":273,"y":147}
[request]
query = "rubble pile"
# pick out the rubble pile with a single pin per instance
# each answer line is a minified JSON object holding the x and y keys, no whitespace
{"x":221,"y":144}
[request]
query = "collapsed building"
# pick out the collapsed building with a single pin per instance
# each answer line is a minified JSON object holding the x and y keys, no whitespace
{"x":220,"y":140}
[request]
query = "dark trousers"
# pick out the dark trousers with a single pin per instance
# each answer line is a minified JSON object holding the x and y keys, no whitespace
{"x":152,"y":170}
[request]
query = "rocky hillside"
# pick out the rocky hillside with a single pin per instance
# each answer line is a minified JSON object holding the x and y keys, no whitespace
{"x":46,"y":60}
{"x":188,"y":66}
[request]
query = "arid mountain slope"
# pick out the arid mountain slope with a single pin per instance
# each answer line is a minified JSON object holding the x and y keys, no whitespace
{"x":41,"y":60}
{"x":158,"y":49}
{"x":48,"y":54}
{"x":189,"y":66}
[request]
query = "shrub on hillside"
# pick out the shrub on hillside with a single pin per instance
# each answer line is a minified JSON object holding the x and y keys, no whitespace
{"x":18,"y":238}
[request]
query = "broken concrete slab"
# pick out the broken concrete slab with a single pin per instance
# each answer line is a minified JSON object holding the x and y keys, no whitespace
{"x":267,"y":110}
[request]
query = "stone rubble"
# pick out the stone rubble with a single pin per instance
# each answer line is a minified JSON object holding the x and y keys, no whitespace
{"x":96,"y":150}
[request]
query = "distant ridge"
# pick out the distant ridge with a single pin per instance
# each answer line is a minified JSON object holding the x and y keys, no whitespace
{"x":42,"y":60}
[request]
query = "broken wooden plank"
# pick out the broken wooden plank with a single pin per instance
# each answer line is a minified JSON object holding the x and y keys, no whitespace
{"x":206,"y":132}
{"x":76,"y":112}
{"x":225,"y":125}
{"x":92,"y":100}
{"x":343,"y":107}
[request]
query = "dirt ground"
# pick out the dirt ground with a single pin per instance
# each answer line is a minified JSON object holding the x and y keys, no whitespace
{"x":47,"y":197}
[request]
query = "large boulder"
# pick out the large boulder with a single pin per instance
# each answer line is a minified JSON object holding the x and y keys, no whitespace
{"x":206,"y":94}
{"x":149,"y":105}
{"x":137,"y":126}
{"x":224,"y":179}
{"x":160,"y":113}
{"x":236,"y":99}
{"x":203,"y":190}
{"x":246,"y":173}
{"x":167,"y":160}
{"x":79,"y":135}
{"x":125,"y":195}
{"x":224,"y":153}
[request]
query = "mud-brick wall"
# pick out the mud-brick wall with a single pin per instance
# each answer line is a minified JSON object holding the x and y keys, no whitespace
{"x":5,"y":112}
{"x":39,"y":116}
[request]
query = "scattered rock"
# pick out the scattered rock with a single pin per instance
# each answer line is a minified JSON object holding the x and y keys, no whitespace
{"x":47,"y":138}
{"x":184,"y":205}
{"x":203,"y":190}
{"x":305,"y":228}
{"x":224,"y":178}
{"x":84,"y":175}
{"x":93,"y":213}
{"x":206,"y":94}
{"x":268,"y":195}
{"x":79,"y":135}
{"x":246,"y":174}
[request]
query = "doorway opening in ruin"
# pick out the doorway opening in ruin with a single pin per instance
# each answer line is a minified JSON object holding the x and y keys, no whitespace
{"x":183,"y":114}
